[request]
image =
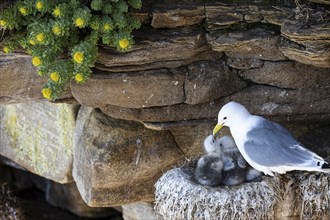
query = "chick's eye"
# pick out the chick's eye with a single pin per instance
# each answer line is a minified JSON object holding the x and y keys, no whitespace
{"x":224,"y":118}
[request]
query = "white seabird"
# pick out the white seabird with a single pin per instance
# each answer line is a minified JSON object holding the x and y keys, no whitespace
{"x":266,"y":145}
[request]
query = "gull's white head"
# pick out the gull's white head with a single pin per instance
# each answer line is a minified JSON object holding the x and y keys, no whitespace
{"x":230,"y":114}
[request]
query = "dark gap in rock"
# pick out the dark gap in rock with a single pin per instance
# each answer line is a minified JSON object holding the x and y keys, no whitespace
{"x":22,"y":198}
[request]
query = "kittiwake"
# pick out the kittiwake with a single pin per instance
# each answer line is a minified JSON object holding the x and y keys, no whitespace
{"x":266,"y":145}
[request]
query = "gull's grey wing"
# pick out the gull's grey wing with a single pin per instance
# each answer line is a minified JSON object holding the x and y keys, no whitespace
{"x":270,"y":144}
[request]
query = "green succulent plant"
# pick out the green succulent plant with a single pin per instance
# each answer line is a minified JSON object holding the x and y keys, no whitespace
{"x":63,"y":36}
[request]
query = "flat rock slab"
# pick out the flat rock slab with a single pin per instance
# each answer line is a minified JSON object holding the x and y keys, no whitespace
{"x":20,"y":81}
{"x":174,"y":13}
{"x":227,"y":14}
{"x":199,"y":82}
{"x":255,"y":43}
{"x":117,"y":162}
{"x":314,"y":36}
{"x":158,"y":48}
{"x":210,"y":80}
{"x":39,"y":137}
{"x":319,"y":57}
{"x":278,"y":103}
{"x":290,"y":75}
{"x":131,"y":90}
{"x":244,"y":63}
{"x":67,"y":196}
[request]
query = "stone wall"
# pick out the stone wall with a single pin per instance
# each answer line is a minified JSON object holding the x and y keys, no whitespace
{"x":150,"y":108}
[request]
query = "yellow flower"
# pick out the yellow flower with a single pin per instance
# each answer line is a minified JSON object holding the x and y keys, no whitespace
{"x":23,"y":10}
{"x":32,"y":42}
{"x":79,"y":77}
{"x":46,"y":92}
{"x":123,"y":43}
{"x":57,"y":12}
{"x":56,"y":30}
{"x":41,"y":37}
{"x":3,"y":23}
{"x":78,"y":57}
{"x":6,"y":49}
{"x":107,"y":27}
{"x":36,"y":61}
{"x":39,"y":5}
{"x":55,"y":76}
{"x":40,"y":73}
{"x":79,"y":22}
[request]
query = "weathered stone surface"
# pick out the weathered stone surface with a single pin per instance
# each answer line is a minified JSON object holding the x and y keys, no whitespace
{"x":177,"y":112}
{"x":314,"y":36}
{"x":318,"y":140}
{"x":256,"y":43}
{"x":131,"y":90}
{"x":190,"y":136}
{"x":159,"y":48}
{"x":38,"y":136}
{"x":172,"y":14}
{"x":220,"y":15}
{"x":309,"y":43}
{"x":139,"y":211}
{"x":244,"y":63}
{"x":291,"y":75}
{"x":117,"y":162}
{"x":207,"y":81}
{"x":312,"y":56}
{"x":286,"y":105}
{"x":66,"y":196}
{"x":279,"y":104}
{"x":20,"y":81}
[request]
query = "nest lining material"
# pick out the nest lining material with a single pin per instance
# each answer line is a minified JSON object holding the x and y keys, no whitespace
{"x":314,"y":191}
{"x":179,"y":196}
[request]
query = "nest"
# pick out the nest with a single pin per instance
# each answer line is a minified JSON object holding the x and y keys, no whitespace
{"x":179,"y":196}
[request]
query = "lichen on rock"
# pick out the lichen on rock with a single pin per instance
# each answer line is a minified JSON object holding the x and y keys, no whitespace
{"x":38,"y":136}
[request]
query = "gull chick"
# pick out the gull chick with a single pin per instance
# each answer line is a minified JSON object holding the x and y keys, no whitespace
{"x":209,"y":170}
{"x":235,"y":169}
{"x":212,"y":146}
{"x":266,"y":145}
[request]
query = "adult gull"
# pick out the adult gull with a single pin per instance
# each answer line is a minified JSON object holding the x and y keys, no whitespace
{"x":266,"y":145}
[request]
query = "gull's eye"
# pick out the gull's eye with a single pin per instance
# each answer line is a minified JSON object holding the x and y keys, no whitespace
{"x":221,"y":145}
{"x":224,"y":118}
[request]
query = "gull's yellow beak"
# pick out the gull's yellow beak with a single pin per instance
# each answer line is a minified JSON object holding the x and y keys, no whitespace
{"x":217,"y":129}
